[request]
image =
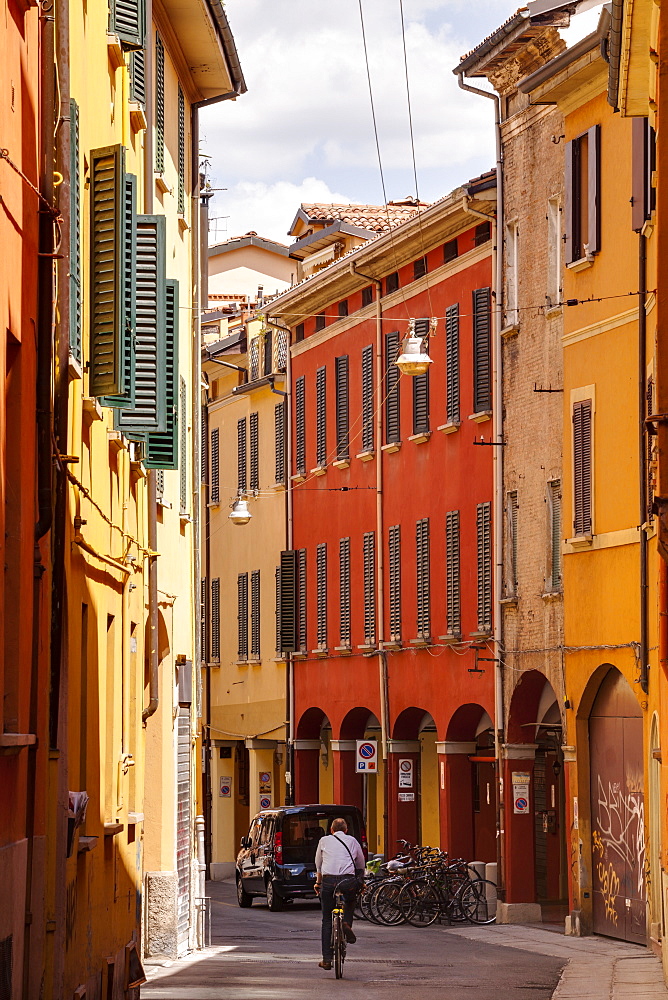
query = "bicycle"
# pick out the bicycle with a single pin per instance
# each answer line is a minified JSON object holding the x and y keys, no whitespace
{"x":338,"y":935}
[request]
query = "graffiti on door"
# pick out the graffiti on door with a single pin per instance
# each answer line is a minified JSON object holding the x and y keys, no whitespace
{"x":620,"y":826}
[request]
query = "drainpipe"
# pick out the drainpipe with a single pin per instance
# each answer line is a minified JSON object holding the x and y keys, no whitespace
{"x":383,"y":681}
{"x":642,"y":458}
{"x":497,"y":458}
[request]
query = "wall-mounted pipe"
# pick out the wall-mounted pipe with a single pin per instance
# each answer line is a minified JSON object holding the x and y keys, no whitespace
{"x":642,"y":459}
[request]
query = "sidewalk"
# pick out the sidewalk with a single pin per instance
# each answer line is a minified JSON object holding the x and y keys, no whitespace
{"x":598,"y":968}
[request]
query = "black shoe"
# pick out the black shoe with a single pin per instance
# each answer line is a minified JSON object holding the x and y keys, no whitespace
{"x":349,"y":934}
{"x":325,"y":964}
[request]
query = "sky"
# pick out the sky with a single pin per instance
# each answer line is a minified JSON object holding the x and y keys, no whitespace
{"x":304,"y":131}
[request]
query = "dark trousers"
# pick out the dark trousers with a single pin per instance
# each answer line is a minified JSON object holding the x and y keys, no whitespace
{"x":329,"y":883}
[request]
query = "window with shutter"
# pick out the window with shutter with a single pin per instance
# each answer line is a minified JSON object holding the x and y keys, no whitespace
{"x":107,"y":238}
{"x":321,"y":417}
{"x":125,"y":396}
{"x":242,"y":616}
{"x":392,"y":389}
{"x":392,"y":283}
{"x":204,"y":451}
{"x":75,"y":235}
{"x":453,"y":573}
{"x":288,"y":601}
{"x":202,"y":620}
{"x":299,"y":333}
{"x":254,"y":454}
{"x":367,"y":296}
{"x":300,"y":426}
{"x":395,"y":582}
{"x":277,"y":578}
{"x":267,"y":359}
{"x":183,"y":446}
{"x":643,"y":164}
{"x":215,"y":619}
{"x":138,"y":76}
{"x":423,"y":583}
{"x":651,"y":467}
{"x":483,"y":234}
{"x":343,"y":308}
{"x":321,"y":595}
{"x":128,"y":21}
{"x":241,"y":455}
{"x":370,"y":588}
{"x":421,"y":388}
{"x":450,"y":251}
{"x":583,"y":195}
{"x":582,"y":471}
{"x":149,"y":412}
{"x":320,"y":322}
{"x":368,"y":413}
{"x":484,"y":530}
{"x":159,"y":105}
{"x":255,"y":614}
{"x":161,"y":445}
{"x":452,"y":363}
{"x":512,"y":507}
{"x":553,"y":297}
{"x":280,"y":350}
{"x":301,"y":596}
{"x":181,"y":199}
{"x":214,"y":495}
{"x":254,"y":359}
{"x":512,"y":273}
{"x":554,"y":512}
{"x":419,"y":268}
{"x":344,"y":592}
{"x":279,"y":441}
{"x":342,"y":427}
{"x":482,"y":351}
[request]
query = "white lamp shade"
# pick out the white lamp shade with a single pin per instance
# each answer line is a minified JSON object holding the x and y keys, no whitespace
{"x":413,"y":360}
{"x":240,"y":513}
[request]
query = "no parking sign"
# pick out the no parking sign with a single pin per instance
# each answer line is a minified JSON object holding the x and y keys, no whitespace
{"x":367,"y":756}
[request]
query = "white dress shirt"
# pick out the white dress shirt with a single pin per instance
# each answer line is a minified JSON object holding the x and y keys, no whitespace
{"x":332,"y":858}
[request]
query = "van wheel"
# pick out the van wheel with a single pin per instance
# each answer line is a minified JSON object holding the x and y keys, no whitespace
{"x":243,"y":899}
{"x":274,"y":901}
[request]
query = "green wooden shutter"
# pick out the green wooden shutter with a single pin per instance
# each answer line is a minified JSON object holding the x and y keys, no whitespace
{"x":241,"y":455}
{"x":215,"y":619}
{"x":138,"y":76}
{"x":125,"y":395}
{"x":594,"y":188}
{"x":554,"y":499}
{"x":367,"y":399}
{"x":278,"y":609}
{"x":128,"y":21}
{"x":279,"y":441}
{"x":254,"y":429}
{"x":202,"y":620}
{"x":107,"y":172}
{"x":161,"y":445}
{"x":582,"y":473}
{"x":255,"y":614}
{"x":75,"y":236}
{"x":159,"y":105}
{"x":423,"y":577}
{"x":484,"y":530}
{"x":149,"y":412}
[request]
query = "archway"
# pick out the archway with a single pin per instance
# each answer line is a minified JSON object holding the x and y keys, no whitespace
{"x":311,"y":752}
{"x":467,"y":781}
{"x":412,"y":779}
{"x":617,"y":811}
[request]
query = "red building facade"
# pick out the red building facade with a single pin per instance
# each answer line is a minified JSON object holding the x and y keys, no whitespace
{"x":391,"y":512}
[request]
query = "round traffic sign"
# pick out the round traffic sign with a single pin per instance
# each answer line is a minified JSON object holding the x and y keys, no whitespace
{"x":521,"y":804}
{"x":367,"y":750}
{"x":406,"y":765}
{"x":265,"y":802}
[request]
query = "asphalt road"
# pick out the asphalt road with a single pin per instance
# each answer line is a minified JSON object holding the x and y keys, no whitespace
{"x":258,"y":955}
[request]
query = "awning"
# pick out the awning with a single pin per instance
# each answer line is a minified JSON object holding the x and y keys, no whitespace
{"x":316,"y":260}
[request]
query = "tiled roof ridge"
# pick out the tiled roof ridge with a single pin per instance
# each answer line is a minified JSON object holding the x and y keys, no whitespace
{"x":520,"y":10}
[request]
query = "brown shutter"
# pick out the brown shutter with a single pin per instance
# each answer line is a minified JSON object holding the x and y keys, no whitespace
{"x":301,"y":599}
{"x":582,"y":467}
{"x":321,"y":595}
{"x":392,"y":389}
{"x":300,"y":426}
{"x":254,"y":453}
{"x":638,"y":173}
{"x":242,"y":616}
{"x":287,"y":627}
{"x":594,"y":188}
{"x":569,"y":201}
{"x":367,"y":399}
{"x":321,"y":416}
{"x":241,"y":455}
{"x":395,"y":582}
{"x":370,"y":588}
{"x":342,"y":433}
{"x":482,"y":350}
{"x":344,"y":591}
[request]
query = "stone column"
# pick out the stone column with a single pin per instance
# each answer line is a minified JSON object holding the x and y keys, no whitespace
{"x":456,"y":797}
{"x":306,"y":769}
{"x":403,"y":800}
{"x":262,"y":794}
{"x":520,"y":904}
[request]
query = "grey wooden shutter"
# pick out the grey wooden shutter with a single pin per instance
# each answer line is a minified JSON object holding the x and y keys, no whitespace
{"x":321,"y":595}
{"x":570,"y":203}
{"x":138,"y":76}
{"x":128,"y":21}
{"x":421,"y":403}
{"x":392,"y":389}
{"x":242,"y":616}
{"x":368,"y":413}
{"x":288,"y":601}
{"x":214,"y":495}
{"x":344,"y":592}
{"x":126,"y":394}
{"x":423,"y":588}
{"x":370,"y":588}
{"x":149,"y":412}
{"x":594,"y":188}
{"x":183,"y":446}
{"x":161,"y":445}
{"x":215,"y":619}
{"x":342,"y":408}
{"x":107,"y":196}
{"x":321,"y":417}
{"x":301,"y":596}
{"x":75,"y":236}
{"x":254,"y":453}
{"x":582,"y":467}
{"x":482,"y":351}
{"x":181,"y":200}
{"x":300,"y":426}
{"x":511,"y":515}
{"x":202,"y":619}
{"x":554,"y":500}
{"x":255,"y":614}
{"x":159,"y":105}
{"x":395,"y":582}
{"x":484,"y":530}
{"x":453,"y":573}
{"x":452,"y":363}
{"x":241,"y":455}
{"x":279,"y":441}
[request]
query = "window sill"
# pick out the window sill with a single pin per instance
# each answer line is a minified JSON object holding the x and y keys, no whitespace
{"x":319,"y":470}
{"x":279,"y":658}
{"x":420,"y":438}
{"x":511,"y":601}
{"x":116,"y":440}
{"x":451,"y":427}
{"x":86,"y":844}
{"x":554,"y":311}
{"x":255,"y":660}
{"x":214,"y":504}
{"x":137,"y":470}
{"x":279,"y":487}
{"x":115,"y":51}
{"x":510,"y":331}
{"x":424,"y":640}
{"x":365,"y":456}
{"x":299,"y":478}
{"x":112,"y":829}
{"x":320,"y":652}
{"x":390,"y":448}
{"x":481,"y":417}
{"x":214,"y":662}
{"x":13,"y":742}
{"x":343,"y":649}
{"x":451,"y":638}
{"x":392,"y":644}
{"x":91,"y":409}
{"x":73,"y":368}
{"x":484,"y":634}
{"x":137,"y":116}
{"x":300,"y":654}
{"x":580,"y":541}
{"x":183,"y":225}
{"x":367,"y":647}
{"x":185,"y":518}
{"x":552,"y":595}
{"x":341,"y":463}
{"x":242,"y":663}
{"x":163,"y":503}
{"x":162,"y":185}
{"x":582,"y":264}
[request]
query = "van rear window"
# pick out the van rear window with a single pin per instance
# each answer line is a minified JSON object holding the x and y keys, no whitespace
{"x":303,"y":831}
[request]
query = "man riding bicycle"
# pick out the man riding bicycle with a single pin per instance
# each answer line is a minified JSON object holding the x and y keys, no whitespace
{"x":338,"y":859}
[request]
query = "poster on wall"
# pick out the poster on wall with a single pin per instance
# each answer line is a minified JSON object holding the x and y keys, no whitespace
{"x":406,"y":773}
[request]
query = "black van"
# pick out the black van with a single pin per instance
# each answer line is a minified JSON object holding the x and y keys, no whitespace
{"x":277,"y":858}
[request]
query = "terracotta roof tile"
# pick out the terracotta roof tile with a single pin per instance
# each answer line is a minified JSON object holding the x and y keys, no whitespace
{"x":376,"y":218}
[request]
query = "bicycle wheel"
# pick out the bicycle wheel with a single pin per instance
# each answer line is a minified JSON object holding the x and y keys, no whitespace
{"x":420,"y":903}
{"x":385,"y":904}
{"x":338,"y":945}
{"x":477,"y":901}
